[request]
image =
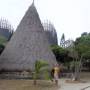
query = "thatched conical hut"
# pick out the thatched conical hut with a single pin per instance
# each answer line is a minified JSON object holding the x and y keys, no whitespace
{"x":28,"y":44}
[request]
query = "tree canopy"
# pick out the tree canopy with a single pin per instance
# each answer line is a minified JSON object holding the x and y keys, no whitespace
{"x":60,"y":53}
{"x":82,"y":45}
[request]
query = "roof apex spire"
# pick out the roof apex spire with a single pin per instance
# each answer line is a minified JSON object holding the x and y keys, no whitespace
{"x":33,"y":2}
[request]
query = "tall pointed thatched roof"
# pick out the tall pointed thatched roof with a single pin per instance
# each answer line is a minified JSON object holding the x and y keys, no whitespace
{"x":27,"y":45}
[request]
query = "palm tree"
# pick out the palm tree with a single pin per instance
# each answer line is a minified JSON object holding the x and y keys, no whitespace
{"x":40,"y":66}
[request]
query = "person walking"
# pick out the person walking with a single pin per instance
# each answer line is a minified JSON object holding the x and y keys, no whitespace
{"x":56,"y":73}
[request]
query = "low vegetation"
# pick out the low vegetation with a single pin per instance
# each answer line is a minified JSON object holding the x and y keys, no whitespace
{"x":41,"y":66}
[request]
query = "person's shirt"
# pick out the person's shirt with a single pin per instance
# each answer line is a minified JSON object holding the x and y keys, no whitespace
{"x":56,"y":70}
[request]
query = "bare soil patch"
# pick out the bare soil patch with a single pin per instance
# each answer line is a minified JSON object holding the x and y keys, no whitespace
{"x":26,"y":85}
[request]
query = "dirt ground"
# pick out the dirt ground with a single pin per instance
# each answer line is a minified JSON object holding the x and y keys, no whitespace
{"x":42,"y":85}
{"x":26,"y":85}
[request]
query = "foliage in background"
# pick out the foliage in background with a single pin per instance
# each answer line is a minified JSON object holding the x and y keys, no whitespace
{"x":3,"y":42}
{"x":60,"y":53}
{"x":83,"y":44}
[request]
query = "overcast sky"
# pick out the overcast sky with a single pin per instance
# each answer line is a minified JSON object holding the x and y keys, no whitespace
{"x":71,"y":17}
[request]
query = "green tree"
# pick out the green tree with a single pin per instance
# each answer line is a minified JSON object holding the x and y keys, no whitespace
{"x":82,"y":45}
{"x":82,"y":49}
{"x":40,"y":66}
{"x":60,"y":53}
